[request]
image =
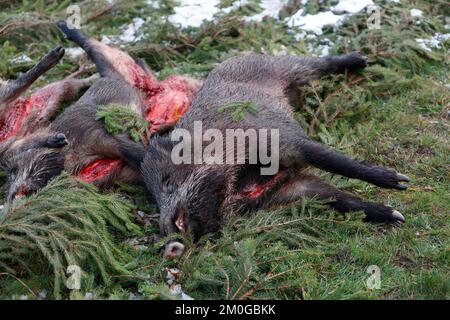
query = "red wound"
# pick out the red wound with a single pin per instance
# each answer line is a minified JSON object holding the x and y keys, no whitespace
{"x":99,"y":169}
{"x":255,"y":190}
{"x":12,"y":122}
{"x":169,"y":105}
{"x":165,"y":103}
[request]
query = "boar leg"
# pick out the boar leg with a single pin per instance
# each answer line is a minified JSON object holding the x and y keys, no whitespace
{"x":13,"y":89}
{"x":326,"y":159}
{"x":63,"y":91}
{"x":312,"y":186}
{"x":278,"y":73}
{"x":104,"y":66}
{"x":49,"y":100}
{"x":110,"y":62}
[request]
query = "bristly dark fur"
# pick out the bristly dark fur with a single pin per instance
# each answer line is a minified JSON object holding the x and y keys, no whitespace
{"x":39,"y":151}
{"x":208,"y":194}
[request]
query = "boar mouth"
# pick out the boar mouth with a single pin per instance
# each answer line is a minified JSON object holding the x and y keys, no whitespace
{"x":180,"y":221}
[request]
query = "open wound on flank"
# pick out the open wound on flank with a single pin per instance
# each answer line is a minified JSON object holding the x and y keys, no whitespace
{"x":98,"y":169}
{"x":11,"y":123}
{"x":255,"y":190}
{"x":164,"y":101}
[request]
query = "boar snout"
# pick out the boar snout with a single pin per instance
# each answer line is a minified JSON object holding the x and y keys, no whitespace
{"x":172,"y":222}
{"x":173,"y":249}
{"x":18,"y":193}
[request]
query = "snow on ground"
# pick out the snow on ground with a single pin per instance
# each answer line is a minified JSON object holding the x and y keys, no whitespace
{"x":191,"y":13}
{"x":352,"y":6}
{"x":130,"y":32}
{"x":271,"y":8}
{"x":23,"y":58}
{"x":194,"y":12}
{"x":416,"y":13}
{"x":434,"y":42}
{"x":74,"y":53}
{"x":314,"y":22}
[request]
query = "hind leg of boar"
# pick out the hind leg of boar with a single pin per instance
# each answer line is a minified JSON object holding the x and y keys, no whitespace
{"x":64,"y":91}
{"x":92,"y":48}
{"x":312,"y":186}
{"x":50,"y":99}
{"x":14,"y":89}
{"x":280,"y":72}
{"x":109,"y":61}
{"x":326,"y":159}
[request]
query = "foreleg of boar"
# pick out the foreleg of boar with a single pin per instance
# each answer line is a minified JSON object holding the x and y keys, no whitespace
{"x":13,"y":89}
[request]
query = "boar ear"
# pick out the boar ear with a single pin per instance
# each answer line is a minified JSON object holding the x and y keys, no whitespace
{"x":56,"y":141}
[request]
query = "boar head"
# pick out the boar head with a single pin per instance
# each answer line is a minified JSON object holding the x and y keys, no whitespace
{"x":32,"y":161}
{"x":189,"y":196}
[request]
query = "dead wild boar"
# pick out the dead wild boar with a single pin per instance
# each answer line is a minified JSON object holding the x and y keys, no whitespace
{"x":200,"y":197}
{"x":72,"y":142}
{"x":163,"y":102}
{"x":22,"y":117}
{"x":92,"y":155}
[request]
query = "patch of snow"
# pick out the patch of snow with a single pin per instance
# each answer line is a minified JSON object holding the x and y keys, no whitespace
{"x":235,"y":6}
{"x":271,"y":8}
{"x":74,"y":53}
{"x":130,"y":32}
{"x":352,"y":6}
{"x":106,"y":40}
{"x":154,"y":3}
{"x":23,"y":58}
{"x":324,"y":50}
{"x":416,"y":13}
{"x":315,"y":22}
{"x":434,"y":42}
{"x":192,"y":13}
{"x":300,"y":35}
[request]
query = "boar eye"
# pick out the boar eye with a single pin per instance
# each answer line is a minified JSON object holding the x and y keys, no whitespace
{"x":167,"y":186}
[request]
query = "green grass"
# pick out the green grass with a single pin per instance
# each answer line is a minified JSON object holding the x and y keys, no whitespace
{"x":395,"y":113}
